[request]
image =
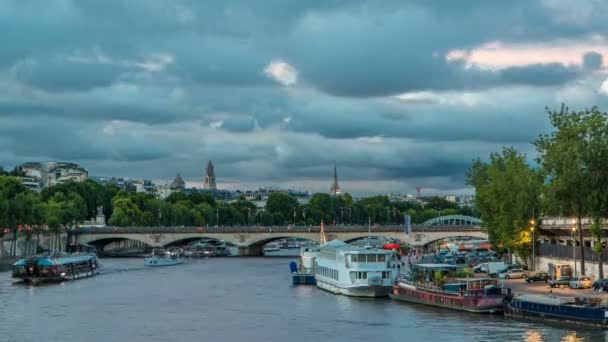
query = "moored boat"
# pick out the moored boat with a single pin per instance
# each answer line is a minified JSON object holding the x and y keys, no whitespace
{"x":351,"y":270}
{"x":56,"y":267}
{"x":272,"y":247}
{"x":577,"y":311}
{"x":480,"y":295}
{"x":162,"y":259}
{"x":303,"y":274}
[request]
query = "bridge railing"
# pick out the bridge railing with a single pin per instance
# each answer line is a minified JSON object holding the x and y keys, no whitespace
{"x":272,"y":229}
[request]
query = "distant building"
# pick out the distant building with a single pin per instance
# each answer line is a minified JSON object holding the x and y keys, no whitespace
{"x":32,"y":183}
{"x":209,"y":181}
{"x":451,"y":198}
{"x":145,"y":186}
{"x":53,"y":173}
{"x":178,"y":183}
{"x":163,"y":191}
{"x":335,"y":188}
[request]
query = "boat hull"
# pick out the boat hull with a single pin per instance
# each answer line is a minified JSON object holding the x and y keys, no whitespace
{"x":474,"y":304}
{"x":303,"y":279}
{"x":371,"y":291}
{"x":32,"y":280}
{"x":163,"y":263}
{"x":595,"y":317}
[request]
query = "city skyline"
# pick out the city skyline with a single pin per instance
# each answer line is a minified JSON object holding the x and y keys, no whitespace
{"x":275,"y":94}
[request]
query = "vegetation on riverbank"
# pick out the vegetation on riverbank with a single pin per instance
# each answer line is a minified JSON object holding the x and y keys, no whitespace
{"x":570,"y":178}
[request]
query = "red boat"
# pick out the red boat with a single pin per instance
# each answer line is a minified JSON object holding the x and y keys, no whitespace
{"x":481,"y":295}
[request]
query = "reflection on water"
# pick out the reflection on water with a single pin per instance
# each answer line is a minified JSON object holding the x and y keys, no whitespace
{"x":572,"y":337}
{"x":533,"y":336}
{"x":235,"y":299}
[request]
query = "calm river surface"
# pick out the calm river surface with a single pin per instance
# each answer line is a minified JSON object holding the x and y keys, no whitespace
{"x":234,"y":299}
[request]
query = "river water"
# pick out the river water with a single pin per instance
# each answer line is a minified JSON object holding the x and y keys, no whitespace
{"x":235,"y":299}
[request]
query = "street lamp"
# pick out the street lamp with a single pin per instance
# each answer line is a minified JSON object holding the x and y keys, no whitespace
{"x":294,"y":217}
{"x":532,"y":225}
{"x":574,"y":249}
{"x":342,"y":216}
{"x":533,"y":243}
{"x":248,"y":214}
{"x":217,"y":217}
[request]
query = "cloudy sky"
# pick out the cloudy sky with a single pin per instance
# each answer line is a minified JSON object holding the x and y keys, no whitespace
{"x":399,"y":94}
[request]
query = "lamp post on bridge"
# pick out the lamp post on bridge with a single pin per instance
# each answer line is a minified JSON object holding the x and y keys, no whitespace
{"x":248,"y":214}
{"x":342,"y":216}
{"x":350,"y":216}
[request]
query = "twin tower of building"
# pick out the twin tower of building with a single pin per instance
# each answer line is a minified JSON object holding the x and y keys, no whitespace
{"x":209,"y":181}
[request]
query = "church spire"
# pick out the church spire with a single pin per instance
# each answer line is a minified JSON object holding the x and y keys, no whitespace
{"x":335,"y":188}
{"x":209,"y":182}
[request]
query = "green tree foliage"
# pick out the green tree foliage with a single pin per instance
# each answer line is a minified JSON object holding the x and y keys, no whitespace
{"x":573,"y":157}
{"x":281,"y":206}
{"x":507,"y":194}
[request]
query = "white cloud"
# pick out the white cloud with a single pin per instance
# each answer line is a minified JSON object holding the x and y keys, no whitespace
{"x":282,"y":72}
{"x":604,"y":87}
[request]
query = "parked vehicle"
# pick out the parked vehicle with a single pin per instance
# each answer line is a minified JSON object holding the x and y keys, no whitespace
{"x":541,"y":276}
{"x":599,"y":284}
{"x":481,"y":268}
{"x":494,"y":268}
{"x":513,"y":274}
{"x":559,"y":270}
{"x":581,"y":283}
{"x":560,"y":282}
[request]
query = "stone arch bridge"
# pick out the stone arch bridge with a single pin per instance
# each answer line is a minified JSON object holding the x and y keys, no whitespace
{"x":250,"y":240}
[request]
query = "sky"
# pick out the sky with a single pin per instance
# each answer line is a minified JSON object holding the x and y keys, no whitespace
{"x":396,"y":93}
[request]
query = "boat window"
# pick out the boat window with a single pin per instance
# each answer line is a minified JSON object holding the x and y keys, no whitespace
{"x":381,"y":257}
{"x":371,"y":257}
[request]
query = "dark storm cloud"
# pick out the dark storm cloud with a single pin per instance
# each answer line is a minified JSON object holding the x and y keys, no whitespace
{"x":540,"y":74}
{"x":592,"y":60}
{"x":152,"y":88}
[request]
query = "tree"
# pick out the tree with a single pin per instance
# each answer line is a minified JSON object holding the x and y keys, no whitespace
{"x":507,"y":195}
{"x":594,"y":157}
{"x":281,"y":206}
{"x":125,"y":214}
{"x":560,"y":154}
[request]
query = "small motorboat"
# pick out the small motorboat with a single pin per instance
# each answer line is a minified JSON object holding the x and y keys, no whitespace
{"x":163,"y":259}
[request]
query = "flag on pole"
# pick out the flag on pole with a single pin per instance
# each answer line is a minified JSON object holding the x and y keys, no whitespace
{"x":323,"y":239}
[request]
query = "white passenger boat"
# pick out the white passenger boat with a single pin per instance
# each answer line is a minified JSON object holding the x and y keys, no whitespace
{"x":163,"y":259}
{"x":272,"y":247}
{"x":354,"y":271}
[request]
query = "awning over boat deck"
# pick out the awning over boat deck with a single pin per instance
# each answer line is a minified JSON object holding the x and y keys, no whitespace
{"x":20,"y":263}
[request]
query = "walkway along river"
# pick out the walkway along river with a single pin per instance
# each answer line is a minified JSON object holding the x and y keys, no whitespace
{"x":235,"y":299}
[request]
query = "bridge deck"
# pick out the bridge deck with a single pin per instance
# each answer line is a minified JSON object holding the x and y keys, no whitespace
{"x":273,"y":229}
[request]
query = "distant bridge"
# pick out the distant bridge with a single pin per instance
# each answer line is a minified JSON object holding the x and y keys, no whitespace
{"x":251,"y":239}
{"x":453,"y":220}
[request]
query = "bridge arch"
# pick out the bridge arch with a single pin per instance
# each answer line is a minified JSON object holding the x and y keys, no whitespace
{"x":186,"y":240}
{"x":267,"y":239}
{"x":102,"y":241}
{"x":453,"y":220}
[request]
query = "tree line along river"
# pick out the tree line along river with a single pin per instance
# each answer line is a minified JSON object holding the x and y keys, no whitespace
{"x":236,"y":299}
